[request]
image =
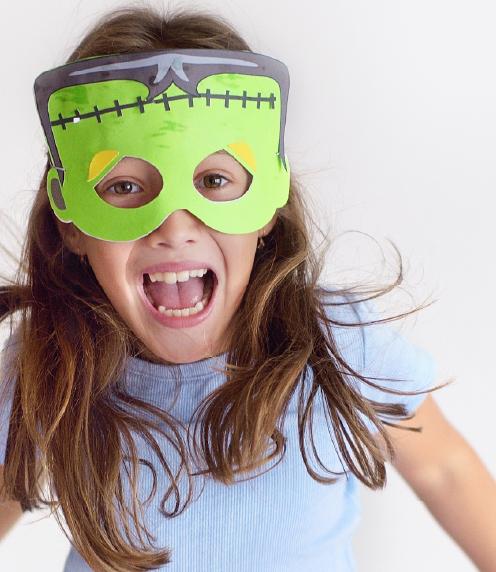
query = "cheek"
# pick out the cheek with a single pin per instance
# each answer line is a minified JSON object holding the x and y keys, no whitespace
{"x":239,"y":254}
{"x":109,"y":265}
{"x":238,"y":249}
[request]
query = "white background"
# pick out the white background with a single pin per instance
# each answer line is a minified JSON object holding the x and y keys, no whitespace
{"x":391,"y":123}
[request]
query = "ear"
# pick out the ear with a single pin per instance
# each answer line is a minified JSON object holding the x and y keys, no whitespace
{"x":72,"y":237}
{"x":264,"y":231}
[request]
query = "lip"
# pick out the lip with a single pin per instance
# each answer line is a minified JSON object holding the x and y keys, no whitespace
{"x":180,"y":321}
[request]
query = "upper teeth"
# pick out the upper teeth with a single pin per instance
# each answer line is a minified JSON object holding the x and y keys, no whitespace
{"x":173,"y":277}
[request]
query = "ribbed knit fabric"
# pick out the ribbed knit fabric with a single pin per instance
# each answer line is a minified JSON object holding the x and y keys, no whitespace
{"x":282,"y":520}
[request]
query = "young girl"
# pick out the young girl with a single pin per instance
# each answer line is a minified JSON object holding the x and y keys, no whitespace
{"x":230,"y":435}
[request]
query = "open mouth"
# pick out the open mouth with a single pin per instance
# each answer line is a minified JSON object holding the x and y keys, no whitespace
{"x":181,"y":299}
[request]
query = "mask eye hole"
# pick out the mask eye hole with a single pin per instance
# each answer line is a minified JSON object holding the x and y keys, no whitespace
{"x":220,"y":177}
{"x":131,"y":183}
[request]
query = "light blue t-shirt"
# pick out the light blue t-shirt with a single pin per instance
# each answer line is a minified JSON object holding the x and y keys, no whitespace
{"x":283,"y":520}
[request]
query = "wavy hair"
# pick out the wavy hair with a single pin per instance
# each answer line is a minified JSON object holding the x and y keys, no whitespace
{"x":71,"y":423}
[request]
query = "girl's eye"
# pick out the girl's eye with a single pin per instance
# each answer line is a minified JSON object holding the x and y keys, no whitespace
{"x":123,"y":188}
{"x":212,"y":180}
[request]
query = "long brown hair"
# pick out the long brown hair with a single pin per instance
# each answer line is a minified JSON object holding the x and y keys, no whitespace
{"x":66,"y":428}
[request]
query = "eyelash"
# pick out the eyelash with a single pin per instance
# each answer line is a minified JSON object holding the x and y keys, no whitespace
{"x":120,"y":182}
{"x":213,"y":174}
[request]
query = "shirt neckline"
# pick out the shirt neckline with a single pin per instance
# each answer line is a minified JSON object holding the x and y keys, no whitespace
{"x":184,"y":371}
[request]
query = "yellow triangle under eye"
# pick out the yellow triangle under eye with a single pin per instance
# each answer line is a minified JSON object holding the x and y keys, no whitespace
{"x":100,"y":161}
{"x":243,"y":150}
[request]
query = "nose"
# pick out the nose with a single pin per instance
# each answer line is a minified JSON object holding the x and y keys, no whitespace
{"x":179,"y":228}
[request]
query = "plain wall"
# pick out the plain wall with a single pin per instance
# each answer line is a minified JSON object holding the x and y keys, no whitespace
{"x":391,"y":124}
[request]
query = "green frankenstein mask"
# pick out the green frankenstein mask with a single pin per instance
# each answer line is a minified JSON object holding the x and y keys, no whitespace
{"x":172,"y":109}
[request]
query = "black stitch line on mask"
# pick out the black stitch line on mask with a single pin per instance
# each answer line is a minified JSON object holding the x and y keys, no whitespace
{"x":165,"y":99}
{"x":118,"y":108}
{"x":62,"y":121}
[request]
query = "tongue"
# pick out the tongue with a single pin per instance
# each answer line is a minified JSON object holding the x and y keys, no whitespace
{"x":179,"y":295}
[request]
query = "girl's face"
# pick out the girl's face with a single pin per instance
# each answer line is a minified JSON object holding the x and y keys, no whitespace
{"x":120,"y":266}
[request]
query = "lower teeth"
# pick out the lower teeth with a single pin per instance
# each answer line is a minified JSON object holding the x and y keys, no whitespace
{"x":183,"y":312}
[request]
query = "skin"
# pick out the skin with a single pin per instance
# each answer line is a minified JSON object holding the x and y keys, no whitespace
{"x":118,"y":266}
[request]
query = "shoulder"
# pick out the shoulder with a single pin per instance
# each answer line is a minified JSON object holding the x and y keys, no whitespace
{"x":346,"y":313}
{"x":8,"y":353}
{"x":377,"y":351}
{"x":8,"y":373}
{"x":7,"y":386}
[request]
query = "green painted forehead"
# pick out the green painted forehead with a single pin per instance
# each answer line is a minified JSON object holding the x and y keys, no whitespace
{"x":172,"y":109}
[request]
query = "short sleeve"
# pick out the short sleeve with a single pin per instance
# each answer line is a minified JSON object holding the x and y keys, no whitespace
{"x":380,"y":351}
{"x":7,"y":386}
